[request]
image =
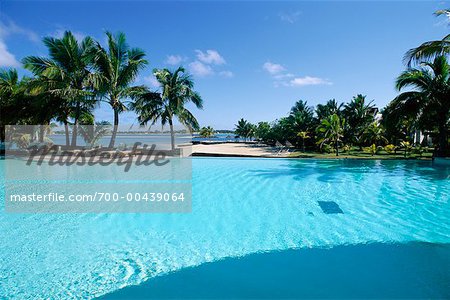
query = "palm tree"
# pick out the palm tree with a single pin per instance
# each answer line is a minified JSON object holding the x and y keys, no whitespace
{"x":66,"y":73}
{"x":245,"y":129}
{"x":428,"y":51}
{"x":331,"y":107}
{"x":18,"y":107}
{"x":92,"y":131}
{"x":331,"y":131}
{"x":116,"y":69}
{"x":374,"y":134}
{"x":263,"y":131}
{"x":301,"y":115}
{"x":359,"y":114}
{"x":303,"y":135}
{"x":177,"y":89}
{"x":207,"y":132}
{"x":9,"y":89}
{"x":301,"y":118}
{"x":429,"y":102}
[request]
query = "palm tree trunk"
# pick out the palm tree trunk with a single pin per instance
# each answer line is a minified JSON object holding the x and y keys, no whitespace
{"x":442,"y":138}
{"x":303,"y":144}
{"x":2,"y":133}
{"x":41,"y":133}
{"x":66,"y":131}
{"x":116,"y":125}
{"x":74,"y":133}
{"x":337,"y":147}
{"x":75,"y":125}
{"x":172,"y":134}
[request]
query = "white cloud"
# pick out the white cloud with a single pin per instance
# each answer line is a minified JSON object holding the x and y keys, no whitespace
{"x":7,"y":59}
{"x":290,"y":17}
{"x":226,"y":74}
{"x":59,"y":33}
{"x":273,"y":68}
{"x":205,"y":63}
{"x":308,"y":80}
{"x":210,"y":57}
{"x":200,"y":69}
{"x":174,"y":59}
{"x":281,"y":77}
{"x":11,"y":28}
{"x":151,"y":80}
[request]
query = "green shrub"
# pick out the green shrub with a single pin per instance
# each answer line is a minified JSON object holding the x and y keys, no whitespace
{"x":327,"y":148}
{"x":372,"y":149}
{"x":419,"y":150}
{"x":389,"y":148}
{"x":346,"y":148}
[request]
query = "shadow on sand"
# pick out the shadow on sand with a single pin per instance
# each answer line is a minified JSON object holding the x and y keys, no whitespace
{"x":414,"y":270}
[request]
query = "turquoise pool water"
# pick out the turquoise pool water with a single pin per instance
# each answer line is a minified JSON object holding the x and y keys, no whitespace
{"x":239,"y":207}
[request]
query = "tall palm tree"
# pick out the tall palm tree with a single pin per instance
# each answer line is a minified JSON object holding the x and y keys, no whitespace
{"x":331,"y":107}
{"x":303,"y":135}
{"x":117,"y":68}
{"x":9,"y":89}
{"x":65,"y":74}
{"x":177,"y":89}
{"x":428,"y":51}
{"x":245,"y":129}
{"x":359,"y":113}
{"x":429,"y":102}
{"x":301,"y":116}
{"x":331,"y":130}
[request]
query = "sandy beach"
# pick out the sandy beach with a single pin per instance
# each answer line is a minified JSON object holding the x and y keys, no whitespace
{"x":237,"y":149}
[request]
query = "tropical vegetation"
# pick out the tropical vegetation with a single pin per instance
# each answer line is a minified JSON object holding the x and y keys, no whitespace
{"x":417,"y":118}
{"x":207,"y":132}
{"x":176,"y":91}
{"x":77,"y":76}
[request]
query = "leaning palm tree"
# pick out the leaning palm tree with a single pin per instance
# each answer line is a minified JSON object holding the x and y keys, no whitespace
{"x":177,"y":89}
{"x":331,"y":131}
{"x":65,"y":74}
{"x":428,"y":51}
{"x":429,"y":102}
{"x":116,"y":70}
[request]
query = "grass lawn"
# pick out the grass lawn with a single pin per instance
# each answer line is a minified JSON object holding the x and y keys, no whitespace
{"x":356,"y":154}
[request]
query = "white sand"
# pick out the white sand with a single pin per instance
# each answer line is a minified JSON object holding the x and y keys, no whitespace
{"x":236,"y":149}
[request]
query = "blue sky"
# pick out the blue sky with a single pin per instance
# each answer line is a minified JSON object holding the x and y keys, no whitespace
{"x":249,"y":59}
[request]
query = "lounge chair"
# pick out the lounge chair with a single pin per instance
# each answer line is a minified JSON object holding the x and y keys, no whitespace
{"x":279,"y":147}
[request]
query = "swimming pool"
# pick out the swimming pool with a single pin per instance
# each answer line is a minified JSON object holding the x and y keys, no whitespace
{"x":240,"y":206}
